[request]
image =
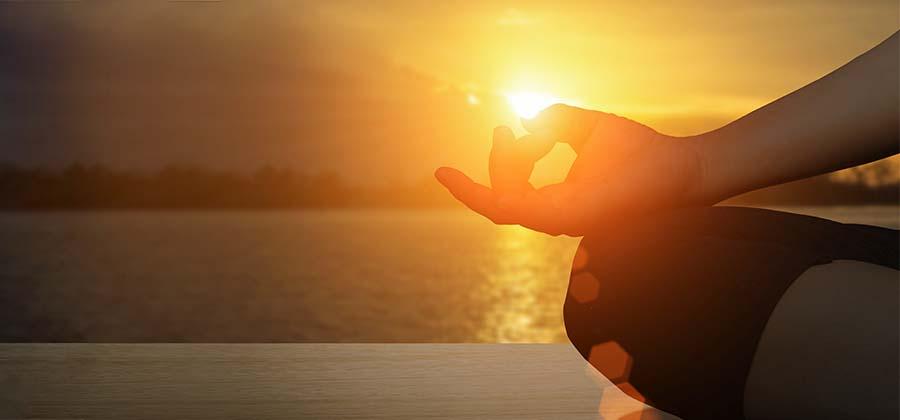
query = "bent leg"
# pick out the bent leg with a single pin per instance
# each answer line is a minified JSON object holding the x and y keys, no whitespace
{"x":674,"y":307}
{"x":830,"y":348}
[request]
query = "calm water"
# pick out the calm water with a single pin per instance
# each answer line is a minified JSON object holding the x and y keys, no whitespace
{"x":320,"y":276}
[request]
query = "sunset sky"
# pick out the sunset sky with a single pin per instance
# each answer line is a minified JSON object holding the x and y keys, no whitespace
{"x":383,"y":91}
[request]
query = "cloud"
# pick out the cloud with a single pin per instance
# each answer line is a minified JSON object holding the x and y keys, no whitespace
{"x":357,"y":88}
{"x":232,"y":87}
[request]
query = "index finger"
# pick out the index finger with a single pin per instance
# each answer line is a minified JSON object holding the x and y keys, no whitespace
{"x":565,"y":123}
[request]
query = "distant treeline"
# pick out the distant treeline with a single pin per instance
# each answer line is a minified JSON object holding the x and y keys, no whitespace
{"x":822,"y":191}
{"x":97,"y":187}
{"x":182,"y":187}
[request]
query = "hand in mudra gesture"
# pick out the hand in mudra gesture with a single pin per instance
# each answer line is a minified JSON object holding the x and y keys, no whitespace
{"x":623,"y":170}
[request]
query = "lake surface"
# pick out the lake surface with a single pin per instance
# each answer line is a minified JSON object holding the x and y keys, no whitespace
{"x":295,"y":276}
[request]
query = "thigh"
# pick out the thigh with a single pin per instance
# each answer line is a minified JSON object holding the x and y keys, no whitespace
{"x":830,"y":348}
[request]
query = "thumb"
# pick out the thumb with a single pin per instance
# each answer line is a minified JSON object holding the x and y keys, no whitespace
{"x":509,"y":169}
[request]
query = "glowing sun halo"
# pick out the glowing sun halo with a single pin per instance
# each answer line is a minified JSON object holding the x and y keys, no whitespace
{"x":528,"y":104}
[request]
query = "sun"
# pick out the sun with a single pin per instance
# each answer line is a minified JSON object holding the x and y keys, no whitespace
{"x":528,"y":104}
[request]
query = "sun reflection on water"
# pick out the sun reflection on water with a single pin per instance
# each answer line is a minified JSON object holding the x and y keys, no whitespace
{"x":526,"y":289}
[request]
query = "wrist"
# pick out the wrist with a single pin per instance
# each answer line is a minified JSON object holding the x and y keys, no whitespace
{"x":705,"y":186}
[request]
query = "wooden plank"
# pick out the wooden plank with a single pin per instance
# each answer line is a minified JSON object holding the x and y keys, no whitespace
{"x":315,"y":381}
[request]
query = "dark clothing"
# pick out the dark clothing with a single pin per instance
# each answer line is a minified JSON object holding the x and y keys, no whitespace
{"x":687,"y":295}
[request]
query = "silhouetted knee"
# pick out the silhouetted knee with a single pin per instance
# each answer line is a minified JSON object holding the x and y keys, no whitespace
{"x":672,"y":309}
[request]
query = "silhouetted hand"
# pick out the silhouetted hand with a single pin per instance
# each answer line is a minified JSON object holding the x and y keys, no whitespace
{"x":626,"y":170}
{"x":623,"y":170}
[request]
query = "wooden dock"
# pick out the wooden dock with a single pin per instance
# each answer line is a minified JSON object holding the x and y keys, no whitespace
{"x":305,"y":381}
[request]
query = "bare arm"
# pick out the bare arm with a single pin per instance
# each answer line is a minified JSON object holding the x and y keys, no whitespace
{"x":625,"y":169}
{"x":844,"y":119}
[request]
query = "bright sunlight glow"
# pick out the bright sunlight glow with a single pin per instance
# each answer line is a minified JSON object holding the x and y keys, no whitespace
{"x":528,"y":104}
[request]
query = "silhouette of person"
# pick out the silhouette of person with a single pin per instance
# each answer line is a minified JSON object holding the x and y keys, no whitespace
{"x":720,"y":312}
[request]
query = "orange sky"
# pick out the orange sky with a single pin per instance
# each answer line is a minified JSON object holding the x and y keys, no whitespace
{"x":684,"y":68}
{"x":681,"y":67}
{"x":382,"y":88}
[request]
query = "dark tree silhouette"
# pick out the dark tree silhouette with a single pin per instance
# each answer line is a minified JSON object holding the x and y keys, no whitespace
{"x":94,"y":186}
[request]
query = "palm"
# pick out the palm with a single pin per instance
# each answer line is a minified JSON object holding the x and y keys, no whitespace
{"x":623,"y":169}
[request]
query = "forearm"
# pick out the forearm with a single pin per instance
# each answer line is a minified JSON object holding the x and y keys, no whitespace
{"x":844,"y":119}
